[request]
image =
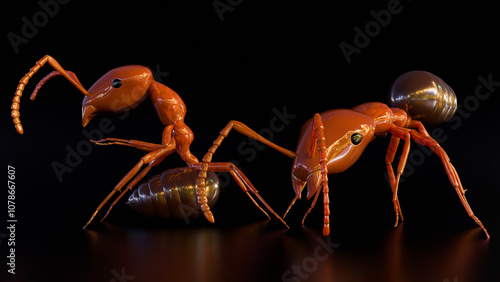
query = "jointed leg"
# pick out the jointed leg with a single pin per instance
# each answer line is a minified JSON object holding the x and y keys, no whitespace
{"x":242,"y":181}
{"x":318,"y":142}
{"x":118,"y":187}
{"x":141,"y":145}
{"x":290,"y":206}
{"x":389,"y":158}
{"x":316,"y":196}
{"x":243,"y":129}
{"x":144,"y":146}
{"x":129,"y":187}
{"x":152,"y":159}
{"x":423,"y":138}
{"x":397,"y":134}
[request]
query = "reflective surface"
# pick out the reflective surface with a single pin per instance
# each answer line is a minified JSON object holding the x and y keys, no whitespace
{"x":258,"y":252}
{"x":424,"y":96}
{"x":284,"y":62}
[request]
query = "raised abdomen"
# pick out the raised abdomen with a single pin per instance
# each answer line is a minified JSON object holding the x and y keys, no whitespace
{"x":424,"y":96}
{"x":172,"y":194}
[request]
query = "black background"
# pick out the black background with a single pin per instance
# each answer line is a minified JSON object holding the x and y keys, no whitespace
{"x":245,"y":63}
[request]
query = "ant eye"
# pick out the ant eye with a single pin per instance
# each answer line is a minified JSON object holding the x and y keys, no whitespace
{"x":117,"y":83}
{"x":356,"y":138}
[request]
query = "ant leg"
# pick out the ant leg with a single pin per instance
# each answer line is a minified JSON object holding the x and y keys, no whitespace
{"x":137,"y":179}
{"x":423,"y":139}
{"x":317,"y":178}
{"x":298,"y":186}
{"x":242,"y":181}
{"x":397,"y":134}
{"x":389,"y":158}
{"x":129,"y":187}
{"x":243,"y":129}
{"x":290,"y":206}
{"x":312,"y":205}
{"x":152,"y":158}
{"x":144,"y":146}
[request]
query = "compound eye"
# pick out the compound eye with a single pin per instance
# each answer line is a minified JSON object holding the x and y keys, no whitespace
{"x":117,"y":83}
{"x":356,"y":138}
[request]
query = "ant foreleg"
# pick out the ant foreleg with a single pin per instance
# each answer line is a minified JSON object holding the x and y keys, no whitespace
{"x":141,"y":145}
{"x":144,"y":146}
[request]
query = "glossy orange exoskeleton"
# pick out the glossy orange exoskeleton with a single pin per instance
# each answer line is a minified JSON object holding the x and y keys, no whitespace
{"x":329,"y":143}
{"x":332,"y":141}
{"x":122,"y":89}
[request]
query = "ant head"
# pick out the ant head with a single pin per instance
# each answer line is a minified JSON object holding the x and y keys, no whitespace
{"x":347,"y":133}
{"x":119,"y":90}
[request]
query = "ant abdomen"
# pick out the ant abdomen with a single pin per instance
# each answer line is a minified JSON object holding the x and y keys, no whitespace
{"x":172,"y":194}
{"x":424,"y":96}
